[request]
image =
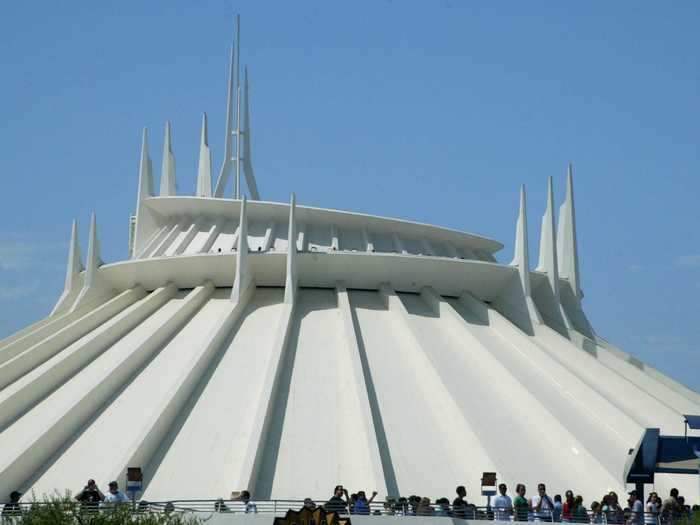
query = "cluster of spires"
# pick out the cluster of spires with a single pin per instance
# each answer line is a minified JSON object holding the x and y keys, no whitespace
{"x":558,"y":250}
{"x":236,"y":159}
{"x":558,"y":255}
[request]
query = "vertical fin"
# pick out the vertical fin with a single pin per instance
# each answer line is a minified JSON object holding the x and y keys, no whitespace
{"x":521,"y":258}
{"x":144,"y":218}
{"x":204,"y":171}
{"x":73,"y":269}
{"x":243,"y":277}
{"x":548,"y":262}
{"x":290,"y":286}
{"x":567,"y":245}
{"x":237,"y":182}
{"x":94,"y":285}
{"x":247,"y":159}
{"x":225,"y":171}
{"x":167,"y":177}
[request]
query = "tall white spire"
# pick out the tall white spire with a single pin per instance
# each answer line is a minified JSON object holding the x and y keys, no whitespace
{"x":73,"y":269}
{"x":243,"y":277}
{"x":548,"y":248}
{"x":145,"y":171}
{"x":521,"y":259}
{"x":548,"y":262}
{"x":567,"y":245}
{"x":247,"y":159}
{"x":167,"y":177}
{"x":237,"y":182}
{"x":521,"y":256}
{"x":144,"y":219}
{"x":290,"y":286}
{"x":225,"y":171}
{"x":204,"y":171}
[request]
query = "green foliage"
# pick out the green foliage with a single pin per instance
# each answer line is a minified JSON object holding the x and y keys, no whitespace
{"x":65,"y":511}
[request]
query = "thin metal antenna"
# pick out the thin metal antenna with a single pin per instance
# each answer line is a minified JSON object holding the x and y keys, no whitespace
{"x":237,"y":189}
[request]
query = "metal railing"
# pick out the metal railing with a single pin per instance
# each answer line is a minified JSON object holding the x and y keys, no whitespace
{"x":384,"y":508}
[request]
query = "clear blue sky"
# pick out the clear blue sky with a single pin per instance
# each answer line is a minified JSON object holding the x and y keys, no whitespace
{"x":432,"y":111}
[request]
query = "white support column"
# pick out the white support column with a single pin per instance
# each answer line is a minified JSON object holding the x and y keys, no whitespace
{"x":204,"y":169}
{"x":398,"y":244}
{"x":94,"y":287}
{"x":567,"y":246}
{"x":521,"y":259}
{"x":187,"y":239}
{"x":167,"y":177}
{"x":335,"y":244}
{"x":301,"y":237}
{"x":366,"y":411}
{"x":213,"y":233}
{"x":427,"y":247}
{"x":169,"y":238}
{"x":452,"y":251}
{"x":369,"y":245}
{"x":269,"y":236}
{"x":243,"y":279}
{"x":73,"y":269}
{"x":548,"y":262}
{"x":290,"y":286}
{"x":145,"y":221}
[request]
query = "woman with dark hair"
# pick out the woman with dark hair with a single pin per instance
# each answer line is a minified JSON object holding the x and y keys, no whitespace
{"x":520,"y":505}
{"x":567,"y":510}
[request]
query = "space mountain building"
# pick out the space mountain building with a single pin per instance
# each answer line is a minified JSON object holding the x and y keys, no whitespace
{"x":284,"y":349}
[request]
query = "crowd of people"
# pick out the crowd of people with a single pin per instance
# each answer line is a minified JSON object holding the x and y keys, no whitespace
{"x":540,"y":507}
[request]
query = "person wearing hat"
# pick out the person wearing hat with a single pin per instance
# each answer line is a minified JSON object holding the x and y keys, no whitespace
{"x":114,"y":495}
{"x":636,"y":509}
{"x":12,"y":508}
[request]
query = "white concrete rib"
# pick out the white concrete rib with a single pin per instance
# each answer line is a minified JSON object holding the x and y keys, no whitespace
{"x":20,"y":360}
{"x":56,"y":419}
{"x":39,"y":331}
{"x":134,"y":409}
{"x":366,"y":387}
{"x":407,"y":380}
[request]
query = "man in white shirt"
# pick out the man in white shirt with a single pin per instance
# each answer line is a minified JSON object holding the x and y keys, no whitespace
{"x":502,"y":504}
{"x":114,"y":495}
{"x":542,"y":504}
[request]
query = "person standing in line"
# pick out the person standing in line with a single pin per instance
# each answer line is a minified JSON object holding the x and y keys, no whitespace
{"x":615,"y":512}
{"x":362,"y":503}
{"x":459,"y":505}
{"x":636,"y":509}
{"x":502,"y":504}
{"x":542,"y":504}
{"x":669,"y":508}
{"x":580,"y":512}
{"x":521,"y":506}
{"x":114,"y":495}
{"x":651,"y":509}
{"x":12,"y":508}
{"x":91,"y":496}
{"x":567,"y":511}
{"x":336,"y":503}
{"x":558,"y":508}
